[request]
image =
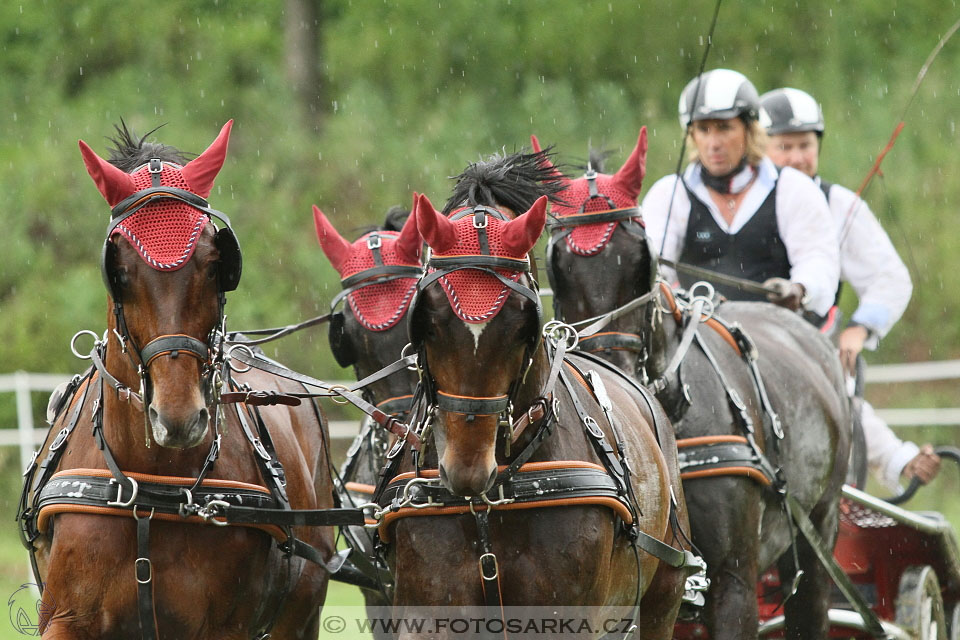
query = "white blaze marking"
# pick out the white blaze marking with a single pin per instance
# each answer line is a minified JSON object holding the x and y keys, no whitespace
{"x":476,"y":330}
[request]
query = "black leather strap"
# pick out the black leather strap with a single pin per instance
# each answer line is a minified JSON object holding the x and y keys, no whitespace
{"x":173,"y":345}
{"x":143,"y":569}
{"x":472,"y":406}
{"x":594,"y":217}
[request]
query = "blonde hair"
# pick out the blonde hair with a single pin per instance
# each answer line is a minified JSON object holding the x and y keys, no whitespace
{"x":756,"y":144}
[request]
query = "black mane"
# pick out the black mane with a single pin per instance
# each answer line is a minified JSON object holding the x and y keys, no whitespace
{"x":130,"y":152}
{"x":514,"y":181}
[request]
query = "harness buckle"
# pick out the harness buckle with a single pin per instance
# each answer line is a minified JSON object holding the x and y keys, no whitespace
{"x":155,"y":166}
{"x":479,"y":218}
{"x":374,"y":241}
{"x":593,"y":427}
{"x":212,"y":510}
{"x":120,"y":502}
{"x":144,"y":562}
{"x":490,"y":560}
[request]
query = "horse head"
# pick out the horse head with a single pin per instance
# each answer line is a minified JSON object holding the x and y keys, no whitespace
{"x":475,"y":335}
{"x":379,"y":273}
{"x":599,"y":256}
{"x":167,"y":268}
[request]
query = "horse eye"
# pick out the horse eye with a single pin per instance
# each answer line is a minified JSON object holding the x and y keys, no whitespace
{"x":212,"y":271}
{"x":123,"y":277}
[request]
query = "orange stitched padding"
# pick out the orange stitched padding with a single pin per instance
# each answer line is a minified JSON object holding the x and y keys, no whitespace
{"x":711,"y":322}
{"x":600,"y":501}
{"x":169,"y":480}
{"x":51,"y":510}
{"x":749,"y":472}
{"x":383,"y":402}
{"x":700,"y":440}
{"x":215,"y":483}
{"x":454,"y":395}
{"x":530,"y":466}
{"x":576,"y":374}
{"x":359,"y":487}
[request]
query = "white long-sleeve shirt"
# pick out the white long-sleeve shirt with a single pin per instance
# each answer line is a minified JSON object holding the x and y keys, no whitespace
{"x":887,"y":454}
{"x":870,"y":263}
{"x":806,"y":227}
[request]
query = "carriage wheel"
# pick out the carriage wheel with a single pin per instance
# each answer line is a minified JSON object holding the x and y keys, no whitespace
{"x":954,"y":626}
{"x":920,"y":605}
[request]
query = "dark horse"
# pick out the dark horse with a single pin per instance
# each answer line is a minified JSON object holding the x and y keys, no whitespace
{"x":600,"y":259}
{"x":119,"y":570}
{"x":379,"y":273}
{"x":476,"y":325}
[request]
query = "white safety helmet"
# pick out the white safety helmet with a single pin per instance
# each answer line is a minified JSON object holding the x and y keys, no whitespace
{"x":719,"y":94}
{"x":791,"y":111}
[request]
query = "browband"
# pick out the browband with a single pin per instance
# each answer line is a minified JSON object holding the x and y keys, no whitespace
{"x":594,"y":217}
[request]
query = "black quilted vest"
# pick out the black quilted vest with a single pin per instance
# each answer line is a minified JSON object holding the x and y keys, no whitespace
{"x":755,"y":252}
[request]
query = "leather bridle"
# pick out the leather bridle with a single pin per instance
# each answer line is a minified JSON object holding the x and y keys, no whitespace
{"x":209,"y":353}
{"x":441,"y":266}
{"x":630,"y":220}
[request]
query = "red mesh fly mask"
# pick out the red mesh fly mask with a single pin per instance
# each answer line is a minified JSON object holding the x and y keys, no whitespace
{"x":474,"y":295}
{"x":378,"y":305}
{"x":606,"y":195}
{"x":603,"y":194}
{"x":164,"y":232}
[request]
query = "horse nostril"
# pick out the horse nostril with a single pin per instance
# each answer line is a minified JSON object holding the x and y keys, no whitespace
{"x":154,"y":415}
{"x":203,"y":417}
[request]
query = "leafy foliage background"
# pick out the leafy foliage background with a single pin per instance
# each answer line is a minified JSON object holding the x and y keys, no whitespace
{"x":413,"y":92}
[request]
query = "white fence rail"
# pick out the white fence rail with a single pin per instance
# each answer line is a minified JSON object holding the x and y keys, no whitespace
{"x":26,"y":436}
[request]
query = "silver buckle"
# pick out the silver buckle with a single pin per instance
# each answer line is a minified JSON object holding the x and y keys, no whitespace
{"x":374,"y":241}
{"x":120,"y":502}
{"x":149,"y":570}
{"x":496,"y":567}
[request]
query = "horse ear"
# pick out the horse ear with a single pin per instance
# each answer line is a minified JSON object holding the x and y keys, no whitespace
{"x":521,"y":234}
{"x":630,"y":176}
{"x":438,"y":232}
{"x":114,"y":184}
{"x":334,"y":246}
{"x":409,"y":243}
{"x":545,"y":161}
{"x":202,"y":170}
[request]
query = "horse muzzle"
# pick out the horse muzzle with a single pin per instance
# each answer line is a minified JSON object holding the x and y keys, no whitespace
{"x":179,"y":432}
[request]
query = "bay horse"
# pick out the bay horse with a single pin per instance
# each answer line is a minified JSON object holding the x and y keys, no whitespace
{"x":147,"y":425}
{"x":379,"y":273}
{"x":600,"y":259}
{"x":553,"y":508}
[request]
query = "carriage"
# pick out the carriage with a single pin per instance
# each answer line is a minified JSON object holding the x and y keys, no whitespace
{"x":906,"y":563}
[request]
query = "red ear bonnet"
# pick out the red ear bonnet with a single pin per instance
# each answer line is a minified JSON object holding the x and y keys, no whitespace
{"x":631,"y":174}
{"x":437,"y":231}
{"x":334,"y":246}
{"x":521,"y":235}
{"x":202,"y":170}
{"x":113,"y":183}
{"x":409,"y":242}
{"x":164,"y":231}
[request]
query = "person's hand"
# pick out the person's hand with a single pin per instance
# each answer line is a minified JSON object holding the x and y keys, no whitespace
{"x":787,"y":294}
{"x":851,"y":344}
{"x":924,"y":466}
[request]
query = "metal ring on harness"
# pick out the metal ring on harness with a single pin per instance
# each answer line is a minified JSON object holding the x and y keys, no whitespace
{"x":73,"y":342}
{"x":339,"y":399}
{"x":561,"y":332}
{"x":229,"y":354}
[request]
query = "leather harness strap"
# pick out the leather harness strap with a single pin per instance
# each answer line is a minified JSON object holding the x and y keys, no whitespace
{"x":721,"y":330}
